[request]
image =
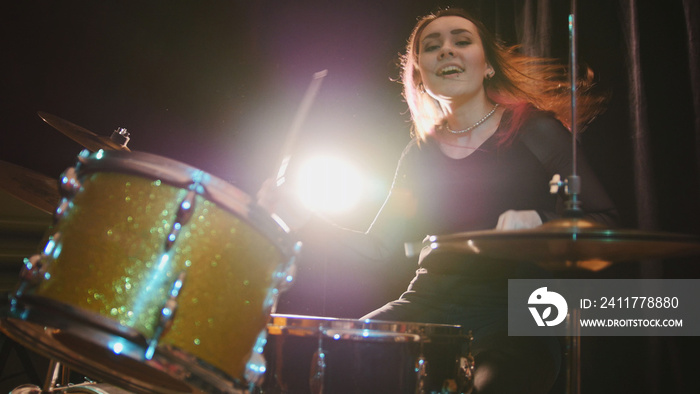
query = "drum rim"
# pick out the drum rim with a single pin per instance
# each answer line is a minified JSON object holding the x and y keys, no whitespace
{"x":327,"y":325}
{"x":28,"y":323}
{"x":182,"y":175}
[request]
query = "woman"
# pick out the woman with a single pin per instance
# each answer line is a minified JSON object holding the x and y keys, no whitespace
{"x":488,"y":138}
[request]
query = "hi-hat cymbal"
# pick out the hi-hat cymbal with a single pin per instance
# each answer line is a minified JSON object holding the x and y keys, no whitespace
{"x":569,"y":243}
{"x":84,"y":137}
{"x":37,"y":190}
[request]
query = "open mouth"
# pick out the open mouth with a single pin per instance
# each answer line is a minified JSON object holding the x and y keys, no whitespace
{"x":449,"y":70}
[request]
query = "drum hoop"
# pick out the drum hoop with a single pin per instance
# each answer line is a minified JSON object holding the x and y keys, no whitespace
{"x":29,"y":310}
{"x":59,"y":315}
{"x":313,"y":325}
{"x":181,"y":175}
{"x":371,"y":335}
{"x":90,"y":387}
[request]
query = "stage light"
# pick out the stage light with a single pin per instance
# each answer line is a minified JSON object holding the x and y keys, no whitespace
{"x":329,"y":184}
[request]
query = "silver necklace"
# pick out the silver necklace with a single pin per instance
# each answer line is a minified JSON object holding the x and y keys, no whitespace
{"x":475,"y":125}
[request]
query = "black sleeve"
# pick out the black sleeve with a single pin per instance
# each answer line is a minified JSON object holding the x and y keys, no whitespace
{"x":552,"y":144}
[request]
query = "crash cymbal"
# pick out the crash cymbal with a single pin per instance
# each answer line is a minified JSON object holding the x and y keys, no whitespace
{"x":84,"y":137}
{"x":569,"y":243}
{"x":37,"y":190}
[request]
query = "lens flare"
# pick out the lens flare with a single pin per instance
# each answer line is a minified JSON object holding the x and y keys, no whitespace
{"x":329,"y":184}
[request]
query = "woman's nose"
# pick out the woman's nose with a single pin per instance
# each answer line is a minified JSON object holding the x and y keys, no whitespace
{"x":446,"y":52}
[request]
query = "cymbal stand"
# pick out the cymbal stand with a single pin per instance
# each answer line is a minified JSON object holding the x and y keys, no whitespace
{"x":51,"y":376}
{"x":573,"y":210}
{"x":55,"y":371}
{"x":572,"y":187}
{"x":573,"y":352}
{"x":572,"y":184}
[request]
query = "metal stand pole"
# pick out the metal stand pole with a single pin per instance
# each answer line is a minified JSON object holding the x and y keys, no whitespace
{"x":573,"y":352}
{"x":51,"y":376}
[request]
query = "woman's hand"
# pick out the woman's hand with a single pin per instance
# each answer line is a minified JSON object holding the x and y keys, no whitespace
{"x":517,"y":220}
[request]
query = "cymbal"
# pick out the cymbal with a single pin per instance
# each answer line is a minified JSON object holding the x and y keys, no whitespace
{"x":84,"y":137}
{"x":37,"y":190}
{"x":569,"y":243}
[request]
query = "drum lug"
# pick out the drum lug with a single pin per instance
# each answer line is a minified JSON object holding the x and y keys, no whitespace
{"x":282,"y":280}
{"x":31,"y":274}
{"x":69,"y":186}
{"x":256,"y":366}
{"x":465,"y":368}
{"x":465,"y":374}
{"x":63,"y":207}
{"x":318,"y":368}
{"x":285,"y":277}
{"x":69,"y":182}
{"x":421,"y":374}
{"x":167,"y":314}
{"x":184,"y":213}
{"x":35,"y":268}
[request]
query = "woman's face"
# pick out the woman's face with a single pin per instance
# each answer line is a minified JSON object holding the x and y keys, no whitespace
{"x":451,"y":59}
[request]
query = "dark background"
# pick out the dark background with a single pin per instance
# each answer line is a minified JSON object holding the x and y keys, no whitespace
{"x":216,"y":84}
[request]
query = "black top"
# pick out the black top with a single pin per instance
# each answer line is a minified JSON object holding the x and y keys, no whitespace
{"x":448,"y":195}
{"x":469,"y":194}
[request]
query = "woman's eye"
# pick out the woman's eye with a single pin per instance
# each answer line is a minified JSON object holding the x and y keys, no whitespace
{"x":463,"y":43}
{"x":432,"y":47}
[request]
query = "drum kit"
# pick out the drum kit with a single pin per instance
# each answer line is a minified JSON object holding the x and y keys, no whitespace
{"x":157,"y":277}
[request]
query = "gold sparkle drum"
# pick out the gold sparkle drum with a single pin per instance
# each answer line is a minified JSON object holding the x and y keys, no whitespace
{"x":341,"y":356}
{"x":157,"y":277}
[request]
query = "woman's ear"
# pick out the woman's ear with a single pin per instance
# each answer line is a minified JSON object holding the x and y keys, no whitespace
{"x":489,"y":72}
{"x":418,"y":82}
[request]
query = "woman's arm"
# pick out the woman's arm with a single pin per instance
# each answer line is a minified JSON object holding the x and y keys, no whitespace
{"x":551,"y":143}
{"x":385,"y":237}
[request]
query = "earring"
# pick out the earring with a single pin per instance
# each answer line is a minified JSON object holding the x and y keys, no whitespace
{"x":421,"y":88}
{"x":490,"y":74}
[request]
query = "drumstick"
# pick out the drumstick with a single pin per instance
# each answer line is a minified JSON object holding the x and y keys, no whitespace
{"x":296,"y":125}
